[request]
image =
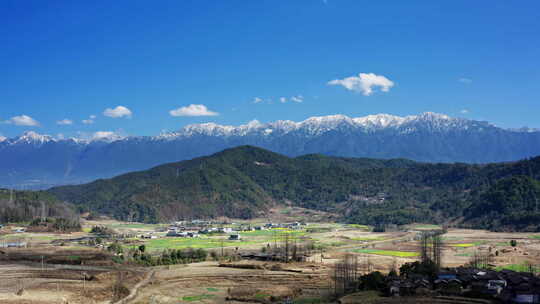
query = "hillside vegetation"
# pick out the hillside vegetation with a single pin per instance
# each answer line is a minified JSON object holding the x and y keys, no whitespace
{"x":25,"y":206}
{"x":244,"y":182}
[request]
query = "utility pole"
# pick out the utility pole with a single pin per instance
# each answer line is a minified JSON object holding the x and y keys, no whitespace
{"x":222,"y":248}
{"x":84,"y":283}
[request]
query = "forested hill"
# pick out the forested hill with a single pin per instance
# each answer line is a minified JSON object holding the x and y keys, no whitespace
{"x":23,"y":206}
{"x":245,"y":182}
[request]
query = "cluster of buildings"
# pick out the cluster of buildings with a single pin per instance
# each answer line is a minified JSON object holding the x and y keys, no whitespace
{"x":195,"y":228}
{"x":13,"y":244}
{"x":507,"y":286}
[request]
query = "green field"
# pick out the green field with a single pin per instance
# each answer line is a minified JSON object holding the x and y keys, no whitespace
{"x":181,"y":243}
{"x":401,"y":254}
{"x":519,"y":267}
{"x":357,"y":226}
{"x":467,"y":245}
{"x":463,"y":245}
{"x":272,"y":232}
{"x":535,"y":237}
{"x":249,"y":238}
{"x":197,"y":298}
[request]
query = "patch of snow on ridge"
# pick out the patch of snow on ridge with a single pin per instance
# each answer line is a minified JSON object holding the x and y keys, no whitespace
{"x":32,"y":137}
{"x":380,"y":121}
{"x":320,"y":124}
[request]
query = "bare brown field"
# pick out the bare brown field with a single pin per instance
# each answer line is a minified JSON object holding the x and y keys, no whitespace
{"x":208,"y":283}
{"x":33,"y":284}
{"x":76,"y":273}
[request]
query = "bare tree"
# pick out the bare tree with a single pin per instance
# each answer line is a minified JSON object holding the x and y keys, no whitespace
{"x":431,"y":247}
{"x":345,"y":275}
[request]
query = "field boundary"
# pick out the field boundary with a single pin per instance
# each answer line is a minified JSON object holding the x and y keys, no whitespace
{"x":133,"y":293}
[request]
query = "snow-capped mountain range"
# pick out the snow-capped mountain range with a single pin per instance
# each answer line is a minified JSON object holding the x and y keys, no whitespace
{"x":39,"y":160}
{"x":316,"y":126}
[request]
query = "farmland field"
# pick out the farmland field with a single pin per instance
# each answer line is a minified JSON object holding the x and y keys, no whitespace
{"x":331,"y":242}
{"x":524,"y":267}
{"x":392,"y":253}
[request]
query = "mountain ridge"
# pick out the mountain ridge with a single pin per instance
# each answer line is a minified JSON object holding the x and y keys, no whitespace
{"x":40,"y":161}
{"x":381,"y":120}
{"x":246,"y":181}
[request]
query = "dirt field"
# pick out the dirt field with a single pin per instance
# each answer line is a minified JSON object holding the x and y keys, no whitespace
{"x":74,"y":272}
{"x":208,"y":283}
{"x":32,"y":284}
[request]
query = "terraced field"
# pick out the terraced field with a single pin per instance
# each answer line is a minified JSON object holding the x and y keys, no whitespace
{"x":392,"y":253}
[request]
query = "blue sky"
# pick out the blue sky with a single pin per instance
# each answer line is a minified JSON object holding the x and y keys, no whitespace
{"x":73,"y":59}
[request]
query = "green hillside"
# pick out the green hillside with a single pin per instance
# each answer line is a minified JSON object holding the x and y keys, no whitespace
{"x":24,"y":206}
{"x":512,"y":203}
{"x":245,"y":182}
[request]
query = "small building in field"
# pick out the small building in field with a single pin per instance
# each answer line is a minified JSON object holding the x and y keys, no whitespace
{"x":235,"y":237}
{"x":149,"y":236}
{"x":225,"y":230}
{"x":13,"y":244}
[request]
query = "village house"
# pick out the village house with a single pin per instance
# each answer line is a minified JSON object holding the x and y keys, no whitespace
{"x":149,"y":236}
{"x":225,"y":230}
{"x":507,"y":286}
{"x":235,"y":237}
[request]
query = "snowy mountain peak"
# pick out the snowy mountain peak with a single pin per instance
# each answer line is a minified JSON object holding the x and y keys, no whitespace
{"x":317,"y":125}
{"x":380,"y":120}
{"x":433,"y":116}
{"x":253,"y":124}
{"x":309,"y":128}
{"x":32,"y":137}
{"x":209,"y":128}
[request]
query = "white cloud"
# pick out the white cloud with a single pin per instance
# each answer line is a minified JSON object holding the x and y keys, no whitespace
{"x":298,"y":98}
{"x":364,"y":83}
{"x":65,"y":121}
{"x":465,"y":80}
{"x":23,"y":120}
{"x":103,"y":134}
{"x":283,"y":99}
{"x":193,"y":110}
{"x":464,"y":111}
{"x":257,"y":100}
{"x":118,"y":112}
{"x":89,"y":121}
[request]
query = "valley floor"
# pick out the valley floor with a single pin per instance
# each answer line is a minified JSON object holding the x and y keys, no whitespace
{"x":24,"y":279}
